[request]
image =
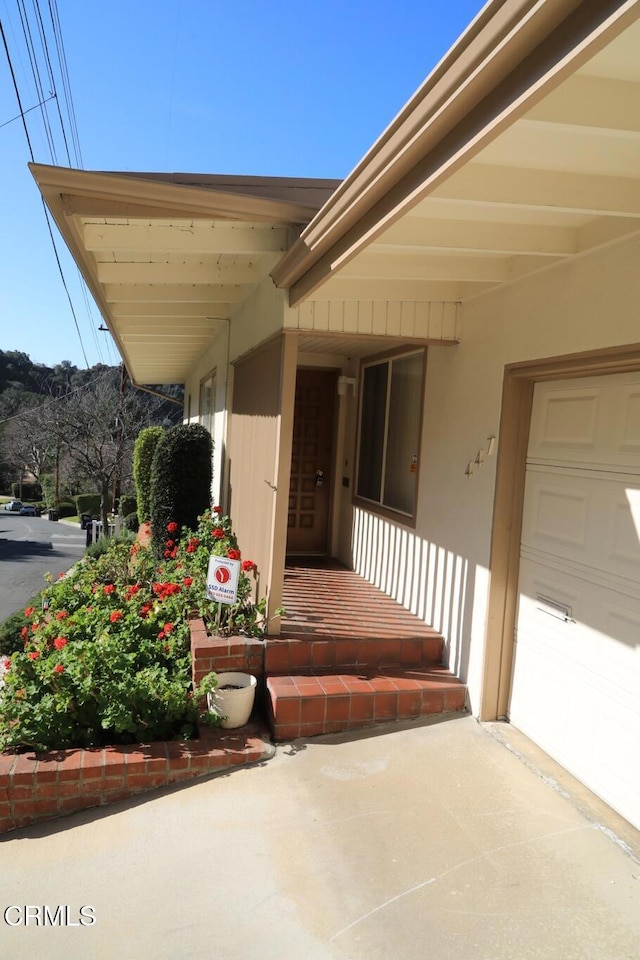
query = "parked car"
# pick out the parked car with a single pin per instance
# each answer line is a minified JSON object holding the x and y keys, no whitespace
{"x":28,"y":510}
{"x":14,"y":505}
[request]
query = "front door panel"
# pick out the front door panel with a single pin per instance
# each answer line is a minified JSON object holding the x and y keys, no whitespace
{"x":311,"y":462}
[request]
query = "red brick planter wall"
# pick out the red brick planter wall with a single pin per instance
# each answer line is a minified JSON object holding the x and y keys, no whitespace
{"x":245,"y":654}
{"x":41,"y":786}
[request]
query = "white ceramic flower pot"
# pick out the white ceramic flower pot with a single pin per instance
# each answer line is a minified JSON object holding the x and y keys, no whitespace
{"x":234,"y":704}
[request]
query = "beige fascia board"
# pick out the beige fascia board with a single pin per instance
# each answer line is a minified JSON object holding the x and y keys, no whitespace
{"x":512,"y":54}
{"x":86,"y":192}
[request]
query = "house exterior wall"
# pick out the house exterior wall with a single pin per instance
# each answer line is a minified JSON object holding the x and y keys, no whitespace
{"x":260,"y":459}
{"x":213,"y":360}
{"x":259,"y":318}
{"x":440,"y":569}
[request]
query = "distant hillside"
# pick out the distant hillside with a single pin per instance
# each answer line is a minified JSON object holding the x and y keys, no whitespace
{"x":24,"y":383}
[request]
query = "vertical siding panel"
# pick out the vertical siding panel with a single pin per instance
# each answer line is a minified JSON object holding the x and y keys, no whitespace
{"x":449,"y":321}
{"x":365,"y":316}
{"x":393,"y":318}
{"x":305,"y":315}
{"x":321,"y":315}
{"x":421,"y":328}
{"x":336,"y":316}
{"x":350,"y":317}
{"x":379,"y":321}
{"x":435,"y":320}
{"x":407,"y":318}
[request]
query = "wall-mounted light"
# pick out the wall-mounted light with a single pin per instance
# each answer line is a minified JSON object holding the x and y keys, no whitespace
{"x":343,"y":383}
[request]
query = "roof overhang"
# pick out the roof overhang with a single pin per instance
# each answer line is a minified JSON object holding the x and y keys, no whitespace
{"x":169,"y":258}
{"x":522,"y":148}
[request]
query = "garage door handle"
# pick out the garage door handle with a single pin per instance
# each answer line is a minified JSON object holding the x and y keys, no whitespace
{"x":555,"y":608}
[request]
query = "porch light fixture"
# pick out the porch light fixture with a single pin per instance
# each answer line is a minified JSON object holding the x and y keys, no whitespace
{"x":343,"y":383}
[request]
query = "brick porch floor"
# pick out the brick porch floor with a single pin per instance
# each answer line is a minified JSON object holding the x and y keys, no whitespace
{"x":349,"y":656}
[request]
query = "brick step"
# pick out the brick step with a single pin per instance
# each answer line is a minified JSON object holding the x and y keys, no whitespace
{"x":306,"y":705}
{"x":287,"y":655}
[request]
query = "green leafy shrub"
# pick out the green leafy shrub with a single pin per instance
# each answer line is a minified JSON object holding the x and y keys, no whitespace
{"x":109,"y":661}
{"x":65,"y":508}
{"x":143,"y":451}
{"x":11,"y":639}
{"x":180,"y":480}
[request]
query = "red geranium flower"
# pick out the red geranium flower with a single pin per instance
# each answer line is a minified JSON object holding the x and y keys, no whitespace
{"x":217,"y":510}
{"x":115,"y":615}
{"x":248,"y":566}
{"x":7,"y":664}
{"x":24,"y":633}
{"x":144,"y":610}
{"x":58,"y":668}
{"x":188,"y":581}
{"x":218,"y":533}
{"x":168,"y":627}
{"x":60,"y":643}
{"x":62,"y":615}
{"x":29,"y":612}
{"x":34,"y":655}
{"x":173,"y":527}
{"x":108,"y":589}
{"x":233,"y":554}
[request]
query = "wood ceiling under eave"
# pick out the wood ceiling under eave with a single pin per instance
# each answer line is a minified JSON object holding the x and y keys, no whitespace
{"x":562,"y":180}
{"x":168,"y":285}
{"x":169,"y":258}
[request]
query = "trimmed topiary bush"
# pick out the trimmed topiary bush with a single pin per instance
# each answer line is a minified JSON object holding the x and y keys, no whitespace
{"x":180,"y":480}
{"x":128,"y":504}
{"x":143,"y":451}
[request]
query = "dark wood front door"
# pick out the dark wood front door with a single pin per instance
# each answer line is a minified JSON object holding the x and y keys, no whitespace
{"x":311,"y":462}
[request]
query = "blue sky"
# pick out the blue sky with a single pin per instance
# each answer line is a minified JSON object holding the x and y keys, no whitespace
{"x":246,"y":87}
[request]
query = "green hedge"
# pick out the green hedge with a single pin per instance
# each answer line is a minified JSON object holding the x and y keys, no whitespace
{"x":180,"y":480}
{"x":65,"y":508}
{"x":90,"y":503}
{"x":30,"y":491}
{"x":143,"y":452}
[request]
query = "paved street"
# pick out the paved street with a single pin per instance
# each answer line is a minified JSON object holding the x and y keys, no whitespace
{"x":29,"y":548}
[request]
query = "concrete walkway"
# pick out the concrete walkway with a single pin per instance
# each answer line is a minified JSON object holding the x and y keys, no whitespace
{"x":430,"y":842}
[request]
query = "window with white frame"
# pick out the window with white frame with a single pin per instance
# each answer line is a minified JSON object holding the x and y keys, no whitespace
{"x":206,"y":407}
{"x":391,"y":393}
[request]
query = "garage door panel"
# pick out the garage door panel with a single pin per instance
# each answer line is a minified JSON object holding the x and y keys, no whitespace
{"x":576,"y":674}
{"x":600,"y":641}
{"x":587,"y":422}
{"x":585,"y":517}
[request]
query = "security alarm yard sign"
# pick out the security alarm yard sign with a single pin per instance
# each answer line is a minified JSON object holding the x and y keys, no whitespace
{"x":222,"y":579}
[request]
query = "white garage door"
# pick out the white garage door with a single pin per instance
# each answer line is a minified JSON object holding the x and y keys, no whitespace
{"x":576,"y":678}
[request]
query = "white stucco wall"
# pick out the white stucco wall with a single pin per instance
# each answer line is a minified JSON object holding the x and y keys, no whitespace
{"x":440,"y":570}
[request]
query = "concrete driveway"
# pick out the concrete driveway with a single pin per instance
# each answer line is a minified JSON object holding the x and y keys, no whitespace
{"x":429,"y":842}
